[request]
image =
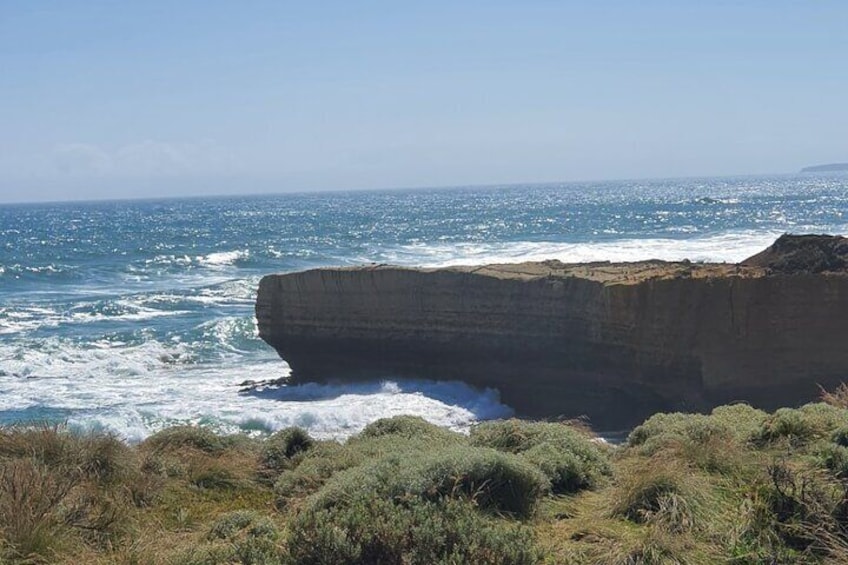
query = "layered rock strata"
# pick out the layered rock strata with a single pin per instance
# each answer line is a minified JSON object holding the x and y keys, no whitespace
{"x":612,"y":341}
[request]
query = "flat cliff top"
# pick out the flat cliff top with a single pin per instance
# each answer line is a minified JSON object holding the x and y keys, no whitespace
{"x":789,"y":255}
{"x":602,"y":271}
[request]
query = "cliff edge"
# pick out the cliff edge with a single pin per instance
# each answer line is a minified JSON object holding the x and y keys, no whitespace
{"x":613,"y":341}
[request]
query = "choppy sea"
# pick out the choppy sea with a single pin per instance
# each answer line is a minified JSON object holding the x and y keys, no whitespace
{"x":131,"y":316}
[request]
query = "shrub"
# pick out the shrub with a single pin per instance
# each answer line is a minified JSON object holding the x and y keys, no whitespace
{"x":840,"y":436}
{"x":494,"y":481}
{"x":735,"y":422}
{"x":30,"y":499}
{"x":742,"y":420}
{"x":838,"y":397}
{"x":47,"y":444}
{"x":210,"y":474}
{"x":100,"y":515}
{"x":569,"y":457}
{"x":104,"y":457}
{"x":194,"y":437}
{"x":283,"y":446}
{"x":410,"y":427}
{"x":371,"y":530}
{"x":792,"y":508}
{"x":666,"y":494}
{"x":251,"y":538}
{"x":564,"y":469}
{"x":322,"y":462}
{"x":801,"y":426}
{"x":231,"y":523}
{"x":835,"y":458}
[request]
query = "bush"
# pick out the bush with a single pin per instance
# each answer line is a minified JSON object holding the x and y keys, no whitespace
{"x":735,"y":422}
{"x":666,"y":494}
{"x":800,"y":426}
{"x":371,"y":530}
{"x":840,"y":436}
{"x":835,"y":458}
{"x":31,"y":497}
{"x":322,"y":462}
{"x":742,"y":420}
{"x":495,"y":481}
{"x":231,"y":523}
{"x":104,"y":457}
{"x":569,"y":457}
{"x":796,"y":508}
{"x":282,"y":447}
{"x":46,"y":444}
{"x":838,"y":397}
{"x":194,"y":437}
{"x":410,"y":427}
{"x":212,"y":475}
{"x":565,"y":470}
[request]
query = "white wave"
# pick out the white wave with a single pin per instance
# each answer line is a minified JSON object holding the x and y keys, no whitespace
{"x":138,"y":390}
{"x":137,"y":315}
{"x":729,"y":247}
{"x":223,"y":258}
{"x":216,"y":259}
{"x":26,"y":318}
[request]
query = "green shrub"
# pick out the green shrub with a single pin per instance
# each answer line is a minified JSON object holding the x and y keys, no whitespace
{"x":840,"y":436}
{"x":194,"y":437}
{"x":800,"y":426}
{"x":229,"y":524}
{"x":320,"y":463}
{"x":410,"y":427}
{"x":495,"y":481}
{"x":742,"y":420}
{"x":252,"y":538}
{"x":662,"y":424}
{"x":372,"y":530}
{"x":210,"y":474}
{"x":569,"y":457}
{"x":835,"y":458}
{"x":735,"y":422}
{"x":663,"y":493}
{"x":565,"y":470}
{"x":799,"y":507}
{"x":282,"y":447}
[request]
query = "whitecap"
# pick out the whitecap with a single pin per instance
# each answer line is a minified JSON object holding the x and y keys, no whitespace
{"x":730,"y":247}
{"x":223,"y":258}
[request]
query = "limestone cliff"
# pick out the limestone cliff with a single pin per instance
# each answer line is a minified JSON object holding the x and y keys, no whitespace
{"x":614,"y":341}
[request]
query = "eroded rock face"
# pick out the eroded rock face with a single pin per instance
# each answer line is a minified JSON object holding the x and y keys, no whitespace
{"x":615,"y":342}
{"x":795,"y":254}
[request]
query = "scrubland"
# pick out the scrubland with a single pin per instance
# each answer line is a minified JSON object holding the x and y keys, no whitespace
{"x":738,"y":485}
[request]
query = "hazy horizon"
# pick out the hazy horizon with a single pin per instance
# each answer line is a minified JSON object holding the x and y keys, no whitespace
{"x":113,"y":101}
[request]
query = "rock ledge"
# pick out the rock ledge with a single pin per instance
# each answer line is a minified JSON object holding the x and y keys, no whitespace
{"x":613,"y":341}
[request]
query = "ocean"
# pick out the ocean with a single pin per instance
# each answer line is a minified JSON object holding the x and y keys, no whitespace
{"x":131,"y":316}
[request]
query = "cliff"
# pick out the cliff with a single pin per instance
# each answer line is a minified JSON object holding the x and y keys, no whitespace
{"x":614,"y":341}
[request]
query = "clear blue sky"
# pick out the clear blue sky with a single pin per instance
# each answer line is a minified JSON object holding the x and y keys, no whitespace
{"x":124,"y":99}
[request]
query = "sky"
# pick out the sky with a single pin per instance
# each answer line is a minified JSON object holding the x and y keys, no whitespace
{"x":116,"y":99}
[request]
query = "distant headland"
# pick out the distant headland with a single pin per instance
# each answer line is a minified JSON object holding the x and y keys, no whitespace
{"x":829,"y":168}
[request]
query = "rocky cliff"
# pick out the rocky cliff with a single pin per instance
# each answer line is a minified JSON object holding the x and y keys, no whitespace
{"x":614,"y":341}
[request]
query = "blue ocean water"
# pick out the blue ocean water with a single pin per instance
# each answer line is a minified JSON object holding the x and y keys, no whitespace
{"x":134,"y":315}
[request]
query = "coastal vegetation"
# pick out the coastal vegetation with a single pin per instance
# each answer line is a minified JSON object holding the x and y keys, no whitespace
{"x":738,"y":485}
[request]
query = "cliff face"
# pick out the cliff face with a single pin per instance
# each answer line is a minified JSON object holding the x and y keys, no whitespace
{"x":615,"y":342}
